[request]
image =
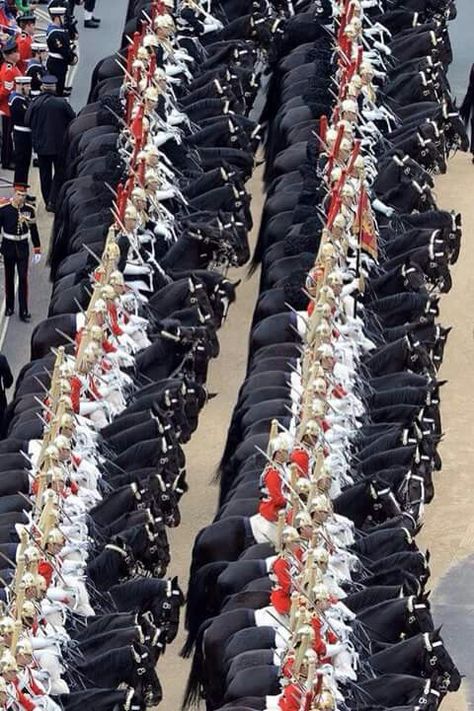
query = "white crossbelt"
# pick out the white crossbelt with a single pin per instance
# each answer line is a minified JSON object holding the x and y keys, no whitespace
{"x":15,"y":238}
{"x":23,"y":129}
{"x":54,"y":55}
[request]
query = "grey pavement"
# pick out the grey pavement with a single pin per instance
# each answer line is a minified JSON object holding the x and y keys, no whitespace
{"x":463,"y":47}
{"x":453,"y":599}
{"x":93,"y":46}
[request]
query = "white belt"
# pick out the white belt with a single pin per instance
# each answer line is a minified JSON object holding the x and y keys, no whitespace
{"x":23,"y":129}
{"x":53,"y":55}
{"x":15,"y":238}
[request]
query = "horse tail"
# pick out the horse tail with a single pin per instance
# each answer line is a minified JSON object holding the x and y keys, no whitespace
{"x":229,"y":447}
{"x":200,"y":602}
{"x":192,"y":693}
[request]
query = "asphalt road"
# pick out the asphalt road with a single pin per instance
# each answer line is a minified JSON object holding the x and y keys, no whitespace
{"x":93,"y":45}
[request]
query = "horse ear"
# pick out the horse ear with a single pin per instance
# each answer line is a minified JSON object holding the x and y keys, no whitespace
{"x":441,"y":383}
{"x":237,"y":283}
{"x":135,"y":653}
{"x":437,"y":631}
{"x":174,"y":582}
{"x":427,"y":555}
{"x":427,"y":595}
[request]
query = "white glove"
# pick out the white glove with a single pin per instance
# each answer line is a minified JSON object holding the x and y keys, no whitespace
{"x":36,"y":259}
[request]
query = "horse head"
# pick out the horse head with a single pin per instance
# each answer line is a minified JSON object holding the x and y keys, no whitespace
{"x":166,"y":611}
{"x":419,"y":619}
{"x":166,"y":499}
{"x":146,"y":683}
{"x":439,"y":664}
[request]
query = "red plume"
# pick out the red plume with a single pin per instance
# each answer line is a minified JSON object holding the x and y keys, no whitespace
{"x":132,"y":50}
{"x":323,"y":128}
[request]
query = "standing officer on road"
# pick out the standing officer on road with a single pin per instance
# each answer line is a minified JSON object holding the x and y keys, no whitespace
{"x":61,"y":54}
{"x":18,"y":224}
{"x":49,"y":116}
{"x":18,"y":102}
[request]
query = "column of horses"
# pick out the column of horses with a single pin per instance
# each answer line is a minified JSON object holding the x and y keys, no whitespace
{"x":153,"y":213}
{"x":308,"y":589}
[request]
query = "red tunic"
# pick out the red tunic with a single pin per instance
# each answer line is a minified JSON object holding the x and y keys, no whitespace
{"x":291,"y":698}
{"x":8,"y":74}
{"x":300,"y":457}
{"x":24,"y":42}
{"x":112,"y":312}
{"x":46,"y":570}
{"x":23,"y":700}
{"x":273,"y":500}
{"x":320,"y":639}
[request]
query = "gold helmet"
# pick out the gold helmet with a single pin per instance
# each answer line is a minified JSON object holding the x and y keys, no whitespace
{"x":131,"y":212}
{"x":24,"y":646}
{"x":320,"y":556}
{"x":312,"y":428}
{"x":327,"y":293}
{"x":319,"y":386}
{"x":62,"y":442}
{"x":117,"y":278}
{"x":28,"y":580}
{"x":328,"y":251}
{"x":282,"y":442}
{"x":7,"y":625}
{"x":66,"y":369}
{"x":324,"y":330}
{"x":32,"y":555}
{"x":107,"y":292}
{"x":55,"y":536}
{"x":100,"y":307}
{"x":150,"y":40}
{"x":41,"y":583}
{"x":318,"y":408}
{"x":67,"y":421}
{"x":51,"y":452}
{"x":28,"y":611}
{"x":8,"y":663}
{"x":326,"y":701}
{"x":289,"y":535}
{"x":303,"y":486}
{"x":321,"y":504}
{"x":302,"y":519}
{"x":335,"y":278}
{"x":320,"y":592}
{"x":151,"y":94}
{"x":55,"y":474}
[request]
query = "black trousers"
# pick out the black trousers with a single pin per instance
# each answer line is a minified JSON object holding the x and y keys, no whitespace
{"x":20,"y":262}
{"x":89,"y":5}
{"x":22,"y":150}
{"x":58,"y":68}
{"x":7,"y":143}
{"x":51,"y":177}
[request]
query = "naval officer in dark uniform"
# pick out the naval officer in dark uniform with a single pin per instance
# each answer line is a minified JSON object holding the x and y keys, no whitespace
{"x":18,"y":225}
{"x":18,"y":102}
{"x":61,"y":54}
{"x":49,"y":117}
